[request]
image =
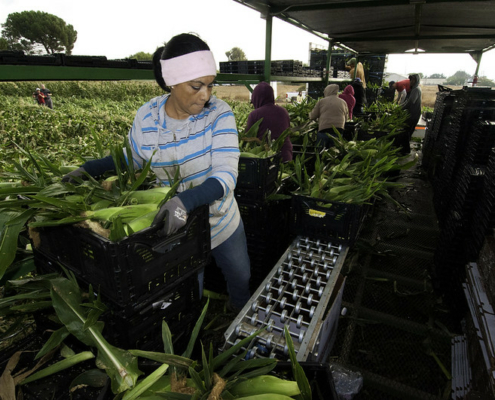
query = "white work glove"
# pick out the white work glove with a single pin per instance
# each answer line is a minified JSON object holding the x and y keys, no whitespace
{"x":77,"y":173}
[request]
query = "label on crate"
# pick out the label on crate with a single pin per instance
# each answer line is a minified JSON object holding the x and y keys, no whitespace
{"x":316,"y":213}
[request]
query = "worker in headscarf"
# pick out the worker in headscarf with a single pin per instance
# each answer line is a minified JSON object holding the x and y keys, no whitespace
{"x":332,"y":113}
{"x":413,"y":106}
{"x":348,"y":96}
{"x":275,"y":118}
{"x":356,"y":67}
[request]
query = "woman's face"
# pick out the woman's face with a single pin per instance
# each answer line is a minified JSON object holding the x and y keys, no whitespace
{"x":189,"y":98}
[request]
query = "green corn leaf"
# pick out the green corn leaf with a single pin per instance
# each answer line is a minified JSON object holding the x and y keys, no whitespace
{"x":173,"y":396}
{"x":259,"y":371}
{"x":59,"y":366}
{"x":299,"y":375}
{"x":9,"y":234}
{"x":170,"y":359}
{"x":196,"y":378}
{"x":55,"y":339}
{"x":20,"y":190}
{"x":64,"y":205}
{"x":32,"y":307}
{"x":168,"y":345}
{"x":192,"y":340}
{"x":92,"y":377}
{"x":227,"y":368}
{"x":31,"y":295}
{"x":224,"y":356}
{"x":207,"y":373}
{"x":142,"y":386}
{"x":120,"y":365}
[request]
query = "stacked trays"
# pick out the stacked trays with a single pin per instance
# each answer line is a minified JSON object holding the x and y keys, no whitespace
{"x":257,"y":177}
{"x":143,"y":279}
{"x":135,"y":269}
{"x":318,"y":218}
{"x":303,"y":291}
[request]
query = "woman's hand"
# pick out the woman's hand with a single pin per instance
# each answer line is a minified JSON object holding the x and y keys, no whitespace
{"x":175,"y":215}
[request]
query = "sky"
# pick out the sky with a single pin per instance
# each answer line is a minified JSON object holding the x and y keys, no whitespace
{"x":118,"y":29}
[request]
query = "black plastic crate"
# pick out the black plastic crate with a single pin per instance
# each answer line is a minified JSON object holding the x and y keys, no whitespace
{"x":133,"y":270}
{"x":179,"y":305}
{"x":267,"y":216}
{"x":256,"y":178}
{"x":85,"y":61}
{"x":328,"y":220}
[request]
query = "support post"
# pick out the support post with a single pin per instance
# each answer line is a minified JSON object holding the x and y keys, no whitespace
{"x":268,"y":48}
{"x":329,"y":58}
{"x":476,"y":56}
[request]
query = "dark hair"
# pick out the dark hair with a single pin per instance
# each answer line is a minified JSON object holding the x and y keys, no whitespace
{"x":179,"y":45}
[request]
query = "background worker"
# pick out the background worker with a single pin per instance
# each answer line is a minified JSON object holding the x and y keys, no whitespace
{"x":187,"y":130}
{"x":275,"y":118}
{"x":48,"y":96}
{"x":348,"y":96}
{"x":403,"y":89}
{"x":354,"y":66}
{"x":331,"y":112}
{"x":39,"y":97}
{"x":359,"y":95}
{"x":413,"y":106}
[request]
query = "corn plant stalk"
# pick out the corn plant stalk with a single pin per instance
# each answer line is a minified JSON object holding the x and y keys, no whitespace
{"x":59,"y":366}
{"x":120,"y":365}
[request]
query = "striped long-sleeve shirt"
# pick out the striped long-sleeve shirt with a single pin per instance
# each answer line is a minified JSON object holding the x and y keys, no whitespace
{"x":203,"y":146}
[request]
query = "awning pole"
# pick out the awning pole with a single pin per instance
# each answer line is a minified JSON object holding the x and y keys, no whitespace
{"x":268,"y":48}
{"x":329,"y":58}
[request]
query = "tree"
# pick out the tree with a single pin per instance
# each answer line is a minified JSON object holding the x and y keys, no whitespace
{"x":4,"y":45}
{"x":437,"y":76}
{"x":32,"y":31}
{"x":484,"y":81}
{"x":142,"y":56}
{"x":236,"y":54}
{"x":458,"y":78}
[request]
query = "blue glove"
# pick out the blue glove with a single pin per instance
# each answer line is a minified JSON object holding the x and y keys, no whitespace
{"x":175,"y":215}
{"x":77,"y":173}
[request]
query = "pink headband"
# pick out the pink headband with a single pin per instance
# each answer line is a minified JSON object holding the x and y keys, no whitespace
{"x":187,"y":67}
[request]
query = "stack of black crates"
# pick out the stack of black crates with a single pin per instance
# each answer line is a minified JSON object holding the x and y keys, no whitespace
{"x":459,"y":157}
{"x":143,"y":279}
{"x":280,"y":67}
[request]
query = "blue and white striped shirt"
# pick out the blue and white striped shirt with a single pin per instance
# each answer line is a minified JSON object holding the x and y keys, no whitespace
{"x":204,"y":146}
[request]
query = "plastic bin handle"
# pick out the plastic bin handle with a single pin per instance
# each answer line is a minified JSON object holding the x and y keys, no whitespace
{"x":164,"y":246}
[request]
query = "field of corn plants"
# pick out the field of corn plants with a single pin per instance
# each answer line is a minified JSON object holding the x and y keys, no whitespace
{"x":91,"y":120}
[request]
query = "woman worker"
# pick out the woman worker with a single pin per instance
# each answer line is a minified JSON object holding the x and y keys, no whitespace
{"x":275,"y":118}
{"x":331,"y":112}
{"x":195,"y":132}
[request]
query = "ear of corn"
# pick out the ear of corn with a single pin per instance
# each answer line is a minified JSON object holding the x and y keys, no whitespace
{"x":125,"y":213}
{"x":153,"y":195}
{"x":265,"y":384}
{"x":142,"y":222}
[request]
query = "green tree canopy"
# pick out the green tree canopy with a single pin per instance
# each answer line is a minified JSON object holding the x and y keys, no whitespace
{"x":458,"y":78}
{"x":437,"y":76}
{"x":142,"y":56}
{"x":236,"y":54}
{"x":484,"y":81}
{"x":4,"y":45}
{"x":30,"y":30}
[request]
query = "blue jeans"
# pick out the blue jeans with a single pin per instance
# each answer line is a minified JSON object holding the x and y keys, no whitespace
{"x":323,"y":140}
{"x":233,"y":260}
